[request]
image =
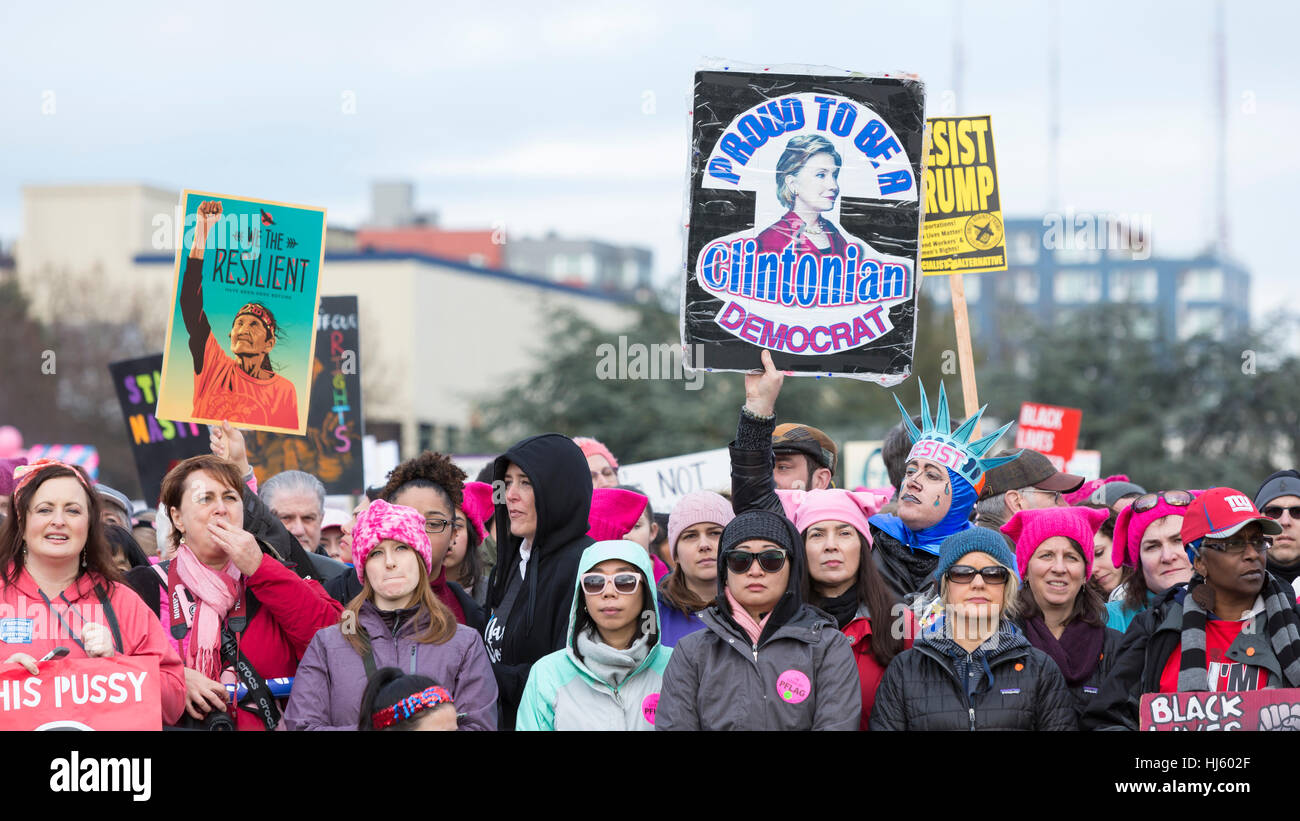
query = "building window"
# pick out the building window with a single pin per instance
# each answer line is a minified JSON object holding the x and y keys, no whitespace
{"x":1200,"y":320}
{"x":1204,"y":284}
{"x":1077,"y":286}
{"x":425,"y":437}
{"x":1020,"y":285}
{"x":1140,"y":285}
{"x":1024,"y":248}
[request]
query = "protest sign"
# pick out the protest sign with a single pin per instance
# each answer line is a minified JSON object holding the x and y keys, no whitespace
{"x":666,"y":481}
{"x":963,"y":231}
{"x":242,"y":325}
{"x":1239,"y":710}
{"x":85,"y":456}
{"x":1052,"y":431}
{"x":803,"y":221}
{"x":331,"y":450}
{"x":115,"y":693}
{"x":1085,"y":463}
{"x":157,"y":444}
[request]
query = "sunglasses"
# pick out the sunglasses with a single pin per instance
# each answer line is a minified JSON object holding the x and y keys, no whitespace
{"x":770,"y":561}
{"x":1275,"y":512}
{"x":1177,"y":498}
{"x":965,"y":574}
{"x":595,"y":583}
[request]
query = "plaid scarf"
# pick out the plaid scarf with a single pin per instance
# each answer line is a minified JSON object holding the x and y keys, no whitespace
{"x":1281,"y":625}
{"x":940,"y":638}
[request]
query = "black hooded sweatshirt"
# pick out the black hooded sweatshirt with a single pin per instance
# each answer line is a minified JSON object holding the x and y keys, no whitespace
{"x":538,"y":618}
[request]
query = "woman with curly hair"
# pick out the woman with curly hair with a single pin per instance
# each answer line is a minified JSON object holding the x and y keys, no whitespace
{"x":434,"y":487}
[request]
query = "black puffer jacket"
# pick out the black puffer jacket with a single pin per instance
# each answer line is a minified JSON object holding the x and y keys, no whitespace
{"x":1154,"y":635}
{"x":1084,"y":693}
{"x":921,"y":691}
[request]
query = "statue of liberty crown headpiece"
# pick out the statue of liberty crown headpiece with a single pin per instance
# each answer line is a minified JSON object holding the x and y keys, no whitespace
{"x":954,"y":450}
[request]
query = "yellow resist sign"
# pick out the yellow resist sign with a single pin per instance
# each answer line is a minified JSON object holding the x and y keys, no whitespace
{"x":963,"y":212}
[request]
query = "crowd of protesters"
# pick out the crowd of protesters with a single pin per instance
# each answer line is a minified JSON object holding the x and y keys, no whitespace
{"x":987,"y":589}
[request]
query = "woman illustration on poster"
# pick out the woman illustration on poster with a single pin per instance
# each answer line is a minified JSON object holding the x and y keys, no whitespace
{"x":807,"y":183}
{"x":242,"y":387}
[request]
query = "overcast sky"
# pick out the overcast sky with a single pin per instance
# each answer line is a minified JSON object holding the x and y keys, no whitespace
{"x":575,"y":119}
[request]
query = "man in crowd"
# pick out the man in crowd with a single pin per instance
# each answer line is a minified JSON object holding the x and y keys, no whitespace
{"x":116,"y":508}
{"x":298,"y":499}
{"x":1279,"y":499}
{"x":1028,"y":483}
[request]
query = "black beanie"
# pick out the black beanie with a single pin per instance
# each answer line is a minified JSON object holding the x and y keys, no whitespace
{"x":757,"y":524}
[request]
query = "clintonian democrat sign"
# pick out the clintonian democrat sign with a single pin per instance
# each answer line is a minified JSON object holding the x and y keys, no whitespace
{"x":803,"y":221}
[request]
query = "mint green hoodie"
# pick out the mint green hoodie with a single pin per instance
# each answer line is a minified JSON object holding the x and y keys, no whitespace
{"x":563,"y":693}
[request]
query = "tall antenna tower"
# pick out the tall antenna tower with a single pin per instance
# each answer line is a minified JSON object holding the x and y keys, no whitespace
{"x":1054,"y":108}
{"x":958,"y":66}
{"x":1220,"y":132}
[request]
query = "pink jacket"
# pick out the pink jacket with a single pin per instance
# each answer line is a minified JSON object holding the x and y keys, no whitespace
{"x":142,"y":635}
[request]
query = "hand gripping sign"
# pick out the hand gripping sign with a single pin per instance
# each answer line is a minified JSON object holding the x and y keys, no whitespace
{"x":115,"y":693}
{"x":804,"y":216}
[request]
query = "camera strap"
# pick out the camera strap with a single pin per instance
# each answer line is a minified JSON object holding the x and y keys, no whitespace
{"x":258,"y":699}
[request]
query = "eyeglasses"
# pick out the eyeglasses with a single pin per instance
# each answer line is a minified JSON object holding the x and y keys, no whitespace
{"x":595,"y":583}
{"x":770,"y":561}
{"x":1235,"y":547}
{"x":1177,"y":498}
{"x":1056,"y":494}
{"x":435,"y":525}
{"x":1275,"y":512}
{"x":965,"y":574}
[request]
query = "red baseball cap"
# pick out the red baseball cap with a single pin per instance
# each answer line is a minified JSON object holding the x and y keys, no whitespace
{"x":1220,"y":512}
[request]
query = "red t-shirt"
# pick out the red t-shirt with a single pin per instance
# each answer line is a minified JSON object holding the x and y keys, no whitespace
{"x":224,"y":391}
{"x":1226,"y":676}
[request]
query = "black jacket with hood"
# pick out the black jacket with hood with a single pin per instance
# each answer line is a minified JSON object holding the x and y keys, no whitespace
{"x":539,"y":618}
{"x":800,"y":675}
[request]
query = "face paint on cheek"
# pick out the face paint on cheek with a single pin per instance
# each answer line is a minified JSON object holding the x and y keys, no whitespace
{"x":947,"y":489}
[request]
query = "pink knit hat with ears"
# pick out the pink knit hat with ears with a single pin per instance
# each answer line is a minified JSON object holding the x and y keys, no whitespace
{"x":1030,"y":528}
{"x":1130,"y":526}
{"x":591,"y":447}
{"x":694,"y":508}
{"x":384,"y":521}
{"x":477,"y":506}
{"x":808,"y":507}
{"x":614,"y":512}
{"x":1085,"y":491}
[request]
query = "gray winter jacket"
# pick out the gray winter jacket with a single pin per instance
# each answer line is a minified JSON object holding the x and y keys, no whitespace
{"x":801,"y":677}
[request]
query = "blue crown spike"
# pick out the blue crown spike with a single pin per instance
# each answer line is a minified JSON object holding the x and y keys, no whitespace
{"x":952,"y":449}
{"x":962,"y":434}
{"x":927,"y":424}
{"x":907,"y":420}
{"x":941,"y":422}
{"x":981,"y":446}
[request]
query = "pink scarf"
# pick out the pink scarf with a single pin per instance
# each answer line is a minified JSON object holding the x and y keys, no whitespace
{"x":216,"y":592}
{"x":752,"y":628}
